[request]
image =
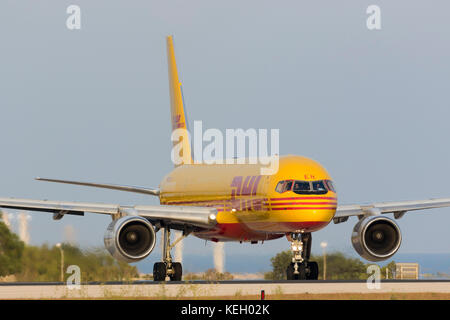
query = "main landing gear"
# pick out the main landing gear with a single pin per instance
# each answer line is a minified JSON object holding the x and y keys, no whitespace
{"x":301,"y":268}
{"x":168,"y":268}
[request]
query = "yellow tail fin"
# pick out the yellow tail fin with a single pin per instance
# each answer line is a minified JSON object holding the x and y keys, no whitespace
{"x":181,"y":146}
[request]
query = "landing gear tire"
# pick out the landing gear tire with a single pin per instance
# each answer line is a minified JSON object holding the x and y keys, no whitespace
{"x":159,"y":271}
{"x":292,"y":275}
{"x":312,"y":272}
{"x":177,"y":272}
{"x":167,"y":268}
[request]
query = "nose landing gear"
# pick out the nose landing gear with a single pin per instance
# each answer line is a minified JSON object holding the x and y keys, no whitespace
{"x":301,"y":268}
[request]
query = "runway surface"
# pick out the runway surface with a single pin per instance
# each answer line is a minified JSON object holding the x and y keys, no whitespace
{"x":198,"y":289}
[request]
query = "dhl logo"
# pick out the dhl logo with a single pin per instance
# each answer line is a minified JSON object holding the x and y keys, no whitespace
{"x":247,"y":187}
{"x":177,"y":123}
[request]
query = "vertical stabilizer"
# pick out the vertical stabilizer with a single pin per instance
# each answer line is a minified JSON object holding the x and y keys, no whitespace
{"x":181,"y":145}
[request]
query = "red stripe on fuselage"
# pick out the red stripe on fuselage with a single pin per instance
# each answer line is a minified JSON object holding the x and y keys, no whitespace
{"x":304,"y":198}
{"x":302,"y":203}
{"x":254,"y":231}
{"x":305,"y":208}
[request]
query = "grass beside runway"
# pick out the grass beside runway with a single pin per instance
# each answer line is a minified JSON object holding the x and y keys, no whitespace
{"x":306,"y":296}
{"x":229,"y":290}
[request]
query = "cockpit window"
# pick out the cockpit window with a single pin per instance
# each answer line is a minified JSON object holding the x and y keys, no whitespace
{"x":319,"y":186}
{"x":283,"y":186}
{"x":288,"y":186}
{"x":330,"y":186}
{"x":302,"y":187}
{"x":280,"y":187}
{"x":305,"y":187}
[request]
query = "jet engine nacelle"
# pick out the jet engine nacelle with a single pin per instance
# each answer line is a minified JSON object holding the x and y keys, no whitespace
{"x":130,"y":238}
{"x":376,"y":238}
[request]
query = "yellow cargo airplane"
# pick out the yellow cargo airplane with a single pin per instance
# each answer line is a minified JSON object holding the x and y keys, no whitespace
{"x":234,"y":202}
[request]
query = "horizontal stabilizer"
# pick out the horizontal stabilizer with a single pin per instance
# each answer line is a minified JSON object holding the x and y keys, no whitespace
{"x":153,"y":192}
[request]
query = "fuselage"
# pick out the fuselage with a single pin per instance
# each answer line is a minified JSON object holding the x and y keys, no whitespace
{"x":300,"y":197}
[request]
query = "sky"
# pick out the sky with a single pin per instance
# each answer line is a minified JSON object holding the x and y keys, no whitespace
{"x":372,"y":106}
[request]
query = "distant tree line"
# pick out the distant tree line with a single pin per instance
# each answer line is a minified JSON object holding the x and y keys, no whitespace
{"x":339,"y":267}
{"x":208,"y":275}
{"x":11,"y":251}
{"x":43,"y":263}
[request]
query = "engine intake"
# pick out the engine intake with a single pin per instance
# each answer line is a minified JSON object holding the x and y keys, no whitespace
{"x":376,"y":238}
{"x":130,"y":238}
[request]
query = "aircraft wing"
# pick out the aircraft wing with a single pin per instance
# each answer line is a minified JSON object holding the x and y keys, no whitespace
{"x":202,"y":217}
{"x":398,"y":208}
